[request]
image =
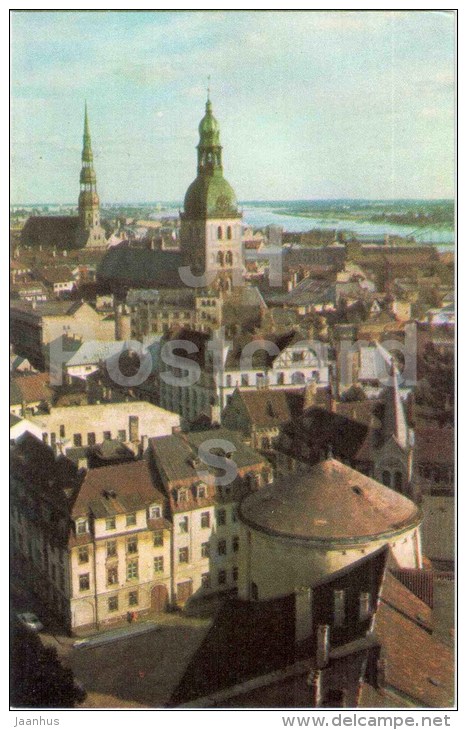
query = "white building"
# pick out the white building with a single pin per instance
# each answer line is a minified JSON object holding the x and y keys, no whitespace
{"x":133,"y":422}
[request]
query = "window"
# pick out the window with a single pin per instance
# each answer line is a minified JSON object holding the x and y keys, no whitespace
{"x":81,"y":527}
{"x":235,"y":574}
{"x":112,"y":576}
{"x":386,"y":478}
{"x":183,"y":524}
{"x":133,"y":598}
{"x":298,"y":378}
{"x":221,"y":518}
{"x":201,"y":492}
{"x":91,"y":438}
{"x":205,"y":580}
{"x":84,"y":582}
{"x":111,"y":549}
{"x":254,"y":592}
{"x":159,"y":564}
{"x":132,"y":569}
{"x":222,"y":577}
{"x":62,"y":432}
{"x":229,"y":232}
{"x":77,"y":440}
{"x":219,"y":232}
{"x":158,"y":538}
{"x":244,"y":380}
{"x":398,"y":481}
{"x":53,"y":439}
{"x":110,"y":523}
{"x":113,"y":603}
{"x":122,"y":435}
{"x":235,"y":544}
{"x":234,"y":514}
{"x":339,"y":607}
{"x":298,"y":356}
{"x":183,"y":555}
{"x":205,"y":550}
{"x":222,"y":547}
{"x":132,"y":545}
{"x":107,"y":435}
{"x":155,"y":512}
{"x":182,"y":496}
{"x":45,"y":438}
{"x":205,"y":519}
{"x":280,"y":378}
{"x":83,"y":555}
{"x":131,"y":519}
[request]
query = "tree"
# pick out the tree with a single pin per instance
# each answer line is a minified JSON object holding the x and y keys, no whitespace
{"x":38,"y":679}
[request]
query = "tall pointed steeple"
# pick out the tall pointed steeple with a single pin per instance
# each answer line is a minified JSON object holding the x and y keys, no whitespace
{"x":395,"y":422}
{"x":90,"y":232}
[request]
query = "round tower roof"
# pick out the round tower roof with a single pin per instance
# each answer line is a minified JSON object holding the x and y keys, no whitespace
{"x":333,"y":502}
{"x":210,"y":196}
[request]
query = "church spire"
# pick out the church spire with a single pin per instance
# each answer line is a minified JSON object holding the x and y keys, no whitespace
{"x":88,"y":205}
{"x":395,"y":423}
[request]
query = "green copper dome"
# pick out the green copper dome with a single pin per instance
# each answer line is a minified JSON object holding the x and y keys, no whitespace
{"x":210,"y":195}
{"x":209,"y":128}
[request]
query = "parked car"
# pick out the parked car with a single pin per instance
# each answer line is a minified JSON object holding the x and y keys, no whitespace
{"x":31,"y":621}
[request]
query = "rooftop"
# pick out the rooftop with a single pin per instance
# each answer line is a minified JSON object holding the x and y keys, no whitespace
{"x":118,"y":489}
{"x":332,"y":502}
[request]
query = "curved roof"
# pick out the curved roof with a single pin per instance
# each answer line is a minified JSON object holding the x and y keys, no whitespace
{"x":210,"y":196}
{"x":331,"y":503}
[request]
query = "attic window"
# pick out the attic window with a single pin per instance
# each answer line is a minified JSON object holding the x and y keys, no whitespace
{"x":357,"y":490}
{"x":270,"y":410}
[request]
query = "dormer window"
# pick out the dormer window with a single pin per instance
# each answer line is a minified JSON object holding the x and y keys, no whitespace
{"x":201,"y":491}
{"x":82,"y":526}
{"x":155,"y":511}
{"x":182,"y":496}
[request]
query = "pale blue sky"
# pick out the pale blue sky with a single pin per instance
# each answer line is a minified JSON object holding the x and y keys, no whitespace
{"x":311,"y":104}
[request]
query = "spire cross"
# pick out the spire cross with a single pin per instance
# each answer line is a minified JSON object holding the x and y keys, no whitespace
{"x":209,"y":87}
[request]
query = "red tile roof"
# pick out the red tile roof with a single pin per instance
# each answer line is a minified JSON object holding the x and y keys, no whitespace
{"x":419,"y":665}
{"x":34,"y":387}
{"x":131,"y":483}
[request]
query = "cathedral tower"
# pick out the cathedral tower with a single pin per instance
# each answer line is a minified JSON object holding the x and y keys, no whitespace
{"x":90,"y":232}
{"x":211,"y":224}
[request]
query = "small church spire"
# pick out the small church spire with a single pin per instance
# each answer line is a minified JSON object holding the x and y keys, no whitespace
{"x":395,"y":423}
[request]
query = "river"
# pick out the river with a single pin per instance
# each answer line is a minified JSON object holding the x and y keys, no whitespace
{"x":261,"y":216}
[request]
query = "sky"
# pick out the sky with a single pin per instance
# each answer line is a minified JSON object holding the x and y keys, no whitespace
{"x":311,"y":105}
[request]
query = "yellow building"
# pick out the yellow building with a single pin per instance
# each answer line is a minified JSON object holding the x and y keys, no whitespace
{"x":119,"y":548}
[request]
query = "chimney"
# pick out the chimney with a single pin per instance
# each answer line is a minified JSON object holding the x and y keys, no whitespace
{"x":364,"y":606}
{"x":303,"y":613}
{"x":322,"y":646}
{"x":310,"y":395}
